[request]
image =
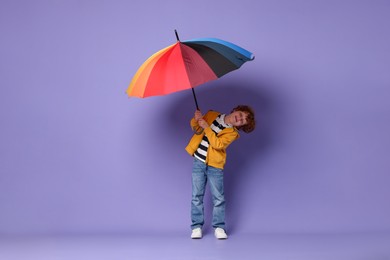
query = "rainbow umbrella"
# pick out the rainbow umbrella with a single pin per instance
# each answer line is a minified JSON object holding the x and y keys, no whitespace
{"x":185,"y":65}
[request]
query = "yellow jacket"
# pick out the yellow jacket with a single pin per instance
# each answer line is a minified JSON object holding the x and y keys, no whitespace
{"x":216,"y":153}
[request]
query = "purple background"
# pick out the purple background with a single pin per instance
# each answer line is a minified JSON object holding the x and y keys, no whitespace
{"x":78,"y":156}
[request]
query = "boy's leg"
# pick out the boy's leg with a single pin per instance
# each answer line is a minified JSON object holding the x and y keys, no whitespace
{"x":215,"y":177}
{"x":199,"y":180}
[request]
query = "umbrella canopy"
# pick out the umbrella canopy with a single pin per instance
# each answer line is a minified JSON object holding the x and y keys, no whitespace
{"x":186,"y":64}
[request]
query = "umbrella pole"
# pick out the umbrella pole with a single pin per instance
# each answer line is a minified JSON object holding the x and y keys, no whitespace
{"x":196,"y":102}
{"x":193,"y":91}
{"x":197,"y":129}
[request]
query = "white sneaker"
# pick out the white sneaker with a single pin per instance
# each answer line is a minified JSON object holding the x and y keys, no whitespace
{"x":196,"y":233}
{"x":220,"y":233}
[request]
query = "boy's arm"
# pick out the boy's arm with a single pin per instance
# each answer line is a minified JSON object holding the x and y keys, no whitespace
{"x":198,"y":115}
{"x":194,"y":121}
{"x":221,"y":142}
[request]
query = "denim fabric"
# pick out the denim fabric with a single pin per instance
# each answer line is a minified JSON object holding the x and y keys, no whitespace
{"x":201,"y":174}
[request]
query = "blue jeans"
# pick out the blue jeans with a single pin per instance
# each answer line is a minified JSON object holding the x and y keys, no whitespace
{"x":201,"y":173}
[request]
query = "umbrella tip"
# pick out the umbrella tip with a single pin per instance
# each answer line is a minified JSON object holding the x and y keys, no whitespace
{"x":177,"y":36}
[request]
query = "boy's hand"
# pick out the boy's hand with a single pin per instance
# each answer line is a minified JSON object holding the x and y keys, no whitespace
{"x":198,"y":115}
{"x":203,"y":123}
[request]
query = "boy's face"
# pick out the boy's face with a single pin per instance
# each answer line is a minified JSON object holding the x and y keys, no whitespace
{"x":238,"y":118}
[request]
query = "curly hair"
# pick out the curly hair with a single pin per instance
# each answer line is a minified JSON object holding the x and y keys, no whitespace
{"x":251,"y":123}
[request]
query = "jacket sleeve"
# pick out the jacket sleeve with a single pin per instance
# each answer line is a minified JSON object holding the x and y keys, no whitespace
{"x":222,"y":141}
{"x":194,"y":123}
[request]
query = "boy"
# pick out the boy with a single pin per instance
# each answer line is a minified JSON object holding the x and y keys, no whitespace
{"x":208,"y":147}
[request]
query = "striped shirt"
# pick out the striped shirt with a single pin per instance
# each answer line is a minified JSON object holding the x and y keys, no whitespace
{"x":217,"y":126}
